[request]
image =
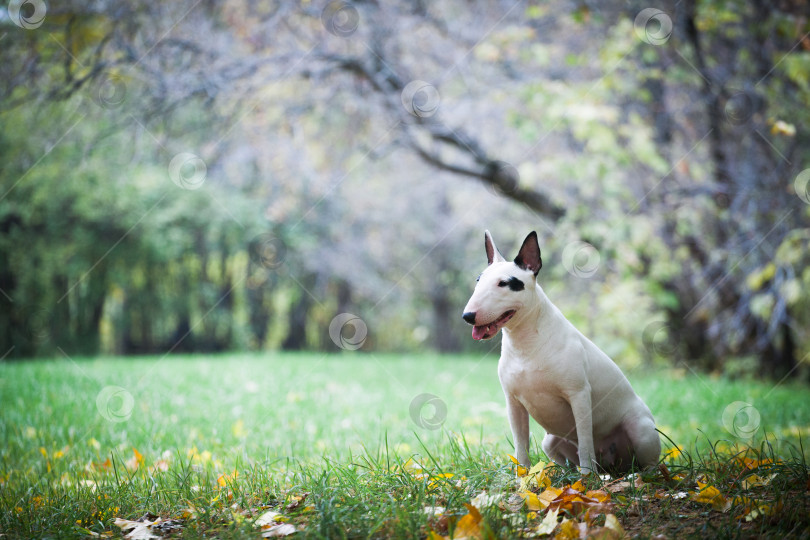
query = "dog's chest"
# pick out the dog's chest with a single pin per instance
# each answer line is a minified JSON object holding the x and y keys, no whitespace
{"x":535,"y":386}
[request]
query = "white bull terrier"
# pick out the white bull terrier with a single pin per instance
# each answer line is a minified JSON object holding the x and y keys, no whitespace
{"x":549,"y":370}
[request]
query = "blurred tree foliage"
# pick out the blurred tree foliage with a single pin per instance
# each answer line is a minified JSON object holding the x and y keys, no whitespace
{"x":328,"y":152}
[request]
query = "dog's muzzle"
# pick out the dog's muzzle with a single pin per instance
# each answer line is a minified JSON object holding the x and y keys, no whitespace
{"x":487,"y":331}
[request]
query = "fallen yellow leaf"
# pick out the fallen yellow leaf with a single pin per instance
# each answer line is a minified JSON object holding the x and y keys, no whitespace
{"x":469,"y":526}
{"x":548,"y":495}
{"x":780,"y":127}
{"x":549,"y":523}
{"x":412,"y":466}
{"x":571,"y":530}
{"x":436,"y":480}
{"x":711,"y":495}
{"x":578,"y":485}
{"x":533,"y":502}
{"x":537,"y":478}
{"x":612,"y":530}
{"x":598,"y":494}
{"x":754,"y":480}
{"x":754,"y":509}
{"x":521,"y":470}
{"x":223,"y":479}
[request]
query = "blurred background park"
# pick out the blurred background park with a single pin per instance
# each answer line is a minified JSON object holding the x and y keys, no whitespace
{"x":203,"y":176}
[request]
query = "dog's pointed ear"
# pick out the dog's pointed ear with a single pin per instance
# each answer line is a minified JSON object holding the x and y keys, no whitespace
{"x":493,"y":255}
{"x":528,"y":258}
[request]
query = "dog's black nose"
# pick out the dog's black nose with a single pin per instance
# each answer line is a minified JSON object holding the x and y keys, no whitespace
{"x":469,"y":317}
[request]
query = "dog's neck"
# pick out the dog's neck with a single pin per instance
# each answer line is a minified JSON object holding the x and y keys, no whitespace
{"x":527,"y":321}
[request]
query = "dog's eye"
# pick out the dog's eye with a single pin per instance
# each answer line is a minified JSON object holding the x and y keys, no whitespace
{"x":478,"y":278}
{"x":513,"y":283}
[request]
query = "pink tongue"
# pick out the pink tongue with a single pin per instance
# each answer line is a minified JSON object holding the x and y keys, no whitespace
{"x":478,"y":332}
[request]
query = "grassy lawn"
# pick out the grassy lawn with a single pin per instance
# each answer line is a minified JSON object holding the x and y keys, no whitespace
{"x":339,"y":446}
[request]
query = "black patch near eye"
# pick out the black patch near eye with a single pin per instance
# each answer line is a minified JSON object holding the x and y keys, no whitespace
{"x":513,"y":283}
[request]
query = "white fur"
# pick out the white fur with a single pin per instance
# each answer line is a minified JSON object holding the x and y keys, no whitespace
{"x":551,"y":371}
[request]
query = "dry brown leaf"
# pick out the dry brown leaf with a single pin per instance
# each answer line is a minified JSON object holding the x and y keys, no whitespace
{"x":577,"y":502}
{"x":618,"y":487}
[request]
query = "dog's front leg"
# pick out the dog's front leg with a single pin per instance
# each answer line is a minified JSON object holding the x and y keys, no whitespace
{"x":519,"y":422}
{"x":583,"y":416}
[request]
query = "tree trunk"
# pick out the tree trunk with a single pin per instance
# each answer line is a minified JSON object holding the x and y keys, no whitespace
{"x":296,"y":339}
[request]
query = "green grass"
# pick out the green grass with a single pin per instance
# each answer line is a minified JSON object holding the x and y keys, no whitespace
{"x":321,"y":438}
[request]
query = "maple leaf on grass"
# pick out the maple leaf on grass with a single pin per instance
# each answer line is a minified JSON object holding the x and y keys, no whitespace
{"x":576,"y":502}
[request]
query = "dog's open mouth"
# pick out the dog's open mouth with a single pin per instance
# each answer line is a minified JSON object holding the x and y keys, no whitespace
{"x":486,"y":331}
